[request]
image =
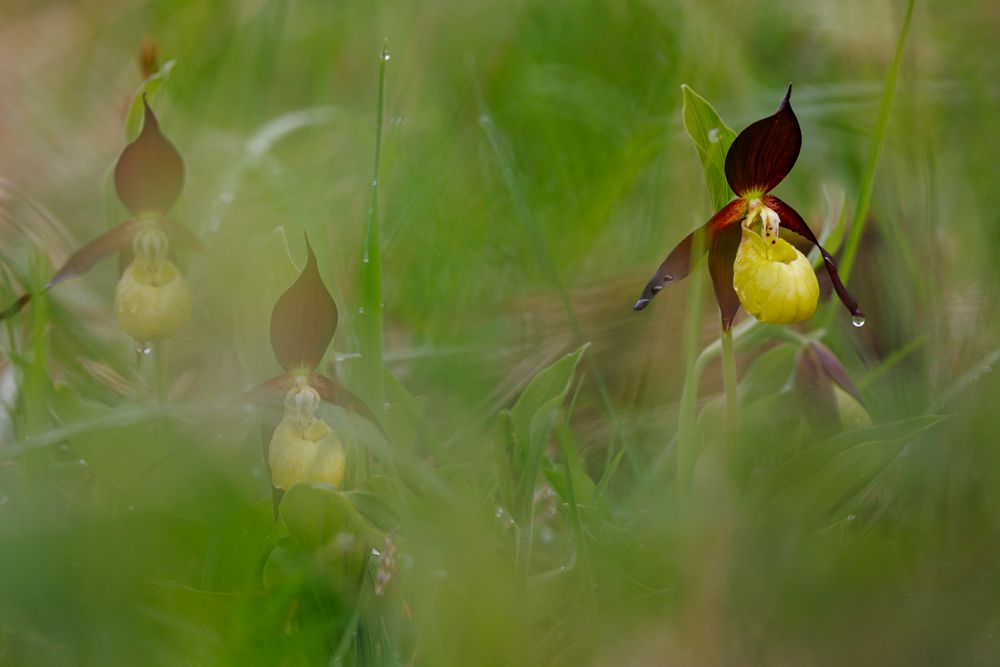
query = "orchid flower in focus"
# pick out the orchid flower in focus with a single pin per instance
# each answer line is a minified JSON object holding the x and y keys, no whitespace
{"x":750,"y":264}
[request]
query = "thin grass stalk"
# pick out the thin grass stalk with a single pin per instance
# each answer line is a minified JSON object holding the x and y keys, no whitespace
{"x":686,"y":442}
{"x":370,"y":315}
{"x":160,"y":372}
{"x":881,"y":126}
{"x":729,"y":380}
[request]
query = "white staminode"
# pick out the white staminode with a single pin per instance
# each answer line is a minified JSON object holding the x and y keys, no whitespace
{"x":301,"y":403}
{"x":150,"y":246}
{"x":769,"y":220}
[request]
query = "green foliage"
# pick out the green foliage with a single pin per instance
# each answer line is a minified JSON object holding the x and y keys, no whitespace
{"x":711,"y":138}
{"x":525,"y":193}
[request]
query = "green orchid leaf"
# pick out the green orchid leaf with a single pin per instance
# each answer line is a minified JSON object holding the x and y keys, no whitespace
{"x":711,"y":138}
{"x":523,"y":431}
{"x":148,"y":89}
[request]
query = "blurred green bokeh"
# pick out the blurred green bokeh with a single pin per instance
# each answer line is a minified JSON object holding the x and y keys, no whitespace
{"x":136,"y":534}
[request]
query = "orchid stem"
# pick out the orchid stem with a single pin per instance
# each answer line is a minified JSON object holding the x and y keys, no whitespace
{"x":370,"y":315}
{"x":160,"y":372}
{"x":729,"y":379}
{"x":693,"y":366}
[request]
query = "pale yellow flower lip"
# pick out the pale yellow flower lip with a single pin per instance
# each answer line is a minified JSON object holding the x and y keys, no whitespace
{"x":773,"y":280}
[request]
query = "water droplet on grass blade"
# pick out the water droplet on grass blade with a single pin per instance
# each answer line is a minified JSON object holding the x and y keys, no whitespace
{"x":858,"y":321}
{"x":143,"y":348}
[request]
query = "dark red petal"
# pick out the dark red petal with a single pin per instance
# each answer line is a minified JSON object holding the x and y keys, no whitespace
{"x":276,"y":387}
{"x":763,"y":154}
{"x":678,"y":263}
{"x":84,"y":259}
{"x":16,"y":307}
{"x":179,"y":235}
{"x":791,"y":220}
{"x":149,"y":173}
{"x":723,"y":243}
{"x":331,"y":391}
{"x":303,"y":320}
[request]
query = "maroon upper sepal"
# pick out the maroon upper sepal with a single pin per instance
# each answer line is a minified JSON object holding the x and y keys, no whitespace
{"x":149,"y":174}
{"x":303,"y":320}
{"x":763,"y":154}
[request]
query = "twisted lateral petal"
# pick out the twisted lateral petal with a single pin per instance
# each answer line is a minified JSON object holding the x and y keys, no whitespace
{"x":81,"y":261}
{"x":794,"y":222}
{"x":331,"y":391}
{"x":763,"y":154}
{"x":678,"y":263}
{"x":149,"y":174}
{"x":303,"y":320}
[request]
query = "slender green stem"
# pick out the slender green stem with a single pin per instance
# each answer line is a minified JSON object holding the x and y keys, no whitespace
{"x":729,"y":378}
{"x":686,"y":426}
{"x":160,"y":372}
{"x":370,"y":313}
{"x":881,"y":125}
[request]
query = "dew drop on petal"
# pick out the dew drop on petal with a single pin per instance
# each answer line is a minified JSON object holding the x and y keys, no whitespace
{"x":713,"y":135}
{"x":858,"y":321}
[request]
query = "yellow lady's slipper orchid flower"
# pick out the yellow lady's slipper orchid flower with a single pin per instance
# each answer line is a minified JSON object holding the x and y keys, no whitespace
{"x":773,"y":280}
{"x":303,"y":448}
{"x":769,"y":277}
{"x":152,"y":300}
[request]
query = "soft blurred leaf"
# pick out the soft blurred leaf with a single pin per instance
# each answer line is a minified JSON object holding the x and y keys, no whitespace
{"x":268,"y":275}
{"x":148,"y":88}
{"x":768,"y":373}
{"x":377,"y":499}
{"x":825,"y":475}
{"x":712,"y":138}
{"x":524,"y":429}
{"x":532,"y":413}
{"x":318,"y":515}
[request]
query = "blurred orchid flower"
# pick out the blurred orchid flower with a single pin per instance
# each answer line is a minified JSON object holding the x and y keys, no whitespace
{"x":304,"y":448}
{"x":748,"y":261}
{"x":152,"y":300}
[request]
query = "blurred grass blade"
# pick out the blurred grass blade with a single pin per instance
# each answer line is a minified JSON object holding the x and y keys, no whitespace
{"x":868,"y":179}
{"x":370,"y":313}
{"x":711,"y":138}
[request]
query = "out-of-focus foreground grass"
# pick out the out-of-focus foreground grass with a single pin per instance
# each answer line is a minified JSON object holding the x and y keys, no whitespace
{"x":138,"y":534}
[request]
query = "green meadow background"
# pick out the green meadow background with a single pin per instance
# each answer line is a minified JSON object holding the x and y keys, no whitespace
{"x":534,"y":172}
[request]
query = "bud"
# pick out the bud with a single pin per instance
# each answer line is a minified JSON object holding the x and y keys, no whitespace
{"x":829,"y":396}
{"x":773,"y":280}
{"x":304,"y":448}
